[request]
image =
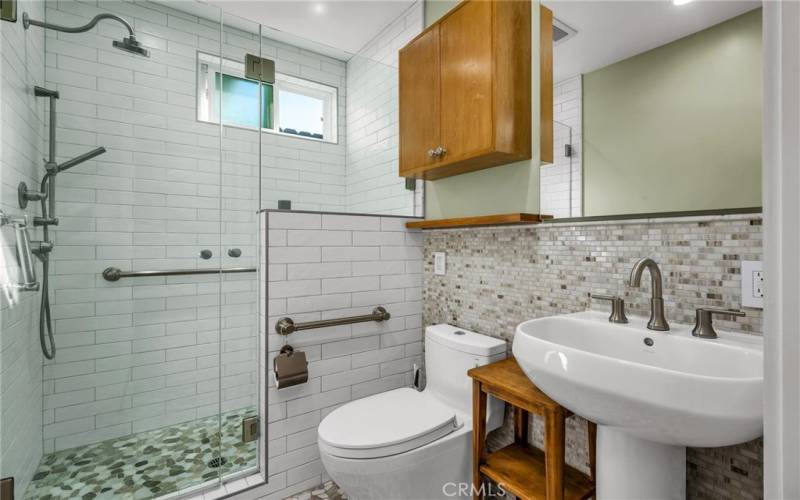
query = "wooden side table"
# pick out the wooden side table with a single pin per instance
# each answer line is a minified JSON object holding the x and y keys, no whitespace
{"x":519,"y":468}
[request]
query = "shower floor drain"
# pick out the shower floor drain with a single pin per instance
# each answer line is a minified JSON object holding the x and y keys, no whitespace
{"x":217,"y":462}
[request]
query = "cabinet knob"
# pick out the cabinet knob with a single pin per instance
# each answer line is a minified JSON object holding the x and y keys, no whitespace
{"x":432,"y":153}
{"x":437,"y":153}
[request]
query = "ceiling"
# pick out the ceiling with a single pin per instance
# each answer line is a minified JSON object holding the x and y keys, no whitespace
{"x":610,"y":31}
{"x":338,"y":28}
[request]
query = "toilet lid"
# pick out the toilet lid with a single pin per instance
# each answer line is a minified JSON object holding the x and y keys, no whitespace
{"x":386,"y":424}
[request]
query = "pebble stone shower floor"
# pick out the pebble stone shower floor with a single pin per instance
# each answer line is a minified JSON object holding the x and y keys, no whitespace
{"x":148,"y":464}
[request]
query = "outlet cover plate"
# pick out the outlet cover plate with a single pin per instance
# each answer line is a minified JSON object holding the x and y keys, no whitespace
{"x":753,"y":284}
{"x":439,"y":263}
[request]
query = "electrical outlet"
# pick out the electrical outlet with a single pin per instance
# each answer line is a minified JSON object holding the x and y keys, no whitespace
{"x":439,"y":263}
{"x":752,"y":284}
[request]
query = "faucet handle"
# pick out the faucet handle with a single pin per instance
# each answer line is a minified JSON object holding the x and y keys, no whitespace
{"x":703,"y":324}
{"x":617,"y":307}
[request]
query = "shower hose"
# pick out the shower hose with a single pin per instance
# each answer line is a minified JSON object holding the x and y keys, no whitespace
{"x":45,"y":322}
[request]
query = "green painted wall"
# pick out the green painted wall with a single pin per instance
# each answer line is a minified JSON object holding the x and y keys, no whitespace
{"x":434,"y":9}
{"x":503,"y":189}
{"x":678,"y":127}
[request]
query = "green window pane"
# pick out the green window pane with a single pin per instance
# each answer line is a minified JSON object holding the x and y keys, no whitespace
{"x":240,"y":102}
{"x":267,"y":103}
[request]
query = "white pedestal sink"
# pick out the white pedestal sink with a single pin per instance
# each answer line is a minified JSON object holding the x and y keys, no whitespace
{"x":651,"y":393}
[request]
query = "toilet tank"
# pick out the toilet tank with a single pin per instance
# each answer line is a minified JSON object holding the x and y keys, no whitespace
{"x":451,"y":351}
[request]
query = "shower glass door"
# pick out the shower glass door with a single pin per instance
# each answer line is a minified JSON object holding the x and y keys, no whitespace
{"x":237,"y":98}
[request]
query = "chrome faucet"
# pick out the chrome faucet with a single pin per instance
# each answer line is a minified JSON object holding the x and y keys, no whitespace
{"x":657,"y":320}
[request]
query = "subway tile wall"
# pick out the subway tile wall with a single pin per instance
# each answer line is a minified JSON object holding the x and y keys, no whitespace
{"x":325,"y":266}
{"x":21,"y":152}
{"x":560,"y":182}
{"x":499,"y":277}
{"x":373,"y":126}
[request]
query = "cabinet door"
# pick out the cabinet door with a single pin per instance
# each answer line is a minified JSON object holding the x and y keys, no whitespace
{"x":466,"y":67}
{"x":419,"y":102}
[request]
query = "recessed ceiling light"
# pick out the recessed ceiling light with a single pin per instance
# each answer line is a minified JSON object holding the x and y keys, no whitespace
{"x":319,"y":8}
{"x":680,"y":2}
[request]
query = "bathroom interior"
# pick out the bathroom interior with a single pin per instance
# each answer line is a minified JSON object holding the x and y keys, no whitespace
{"x":395,"y":249}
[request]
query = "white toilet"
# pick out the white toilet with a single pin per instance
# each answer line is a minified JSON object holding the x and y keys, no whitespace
{"x":410,"y":445}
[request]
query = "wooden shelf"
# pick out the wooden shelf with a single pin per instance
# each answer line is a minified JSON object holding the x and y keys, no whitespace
{"x":477,"y":221}
{"x":520,"y":469}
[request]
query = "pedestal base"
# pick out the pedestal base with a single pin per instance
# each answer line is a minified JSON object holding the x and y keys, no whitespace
{"x":629,"y":468}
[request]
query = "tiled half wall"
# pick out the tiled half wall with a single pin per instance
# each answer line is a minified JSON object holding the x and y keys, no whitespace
{"x":498,"y":277}
{"x":322,"y":266}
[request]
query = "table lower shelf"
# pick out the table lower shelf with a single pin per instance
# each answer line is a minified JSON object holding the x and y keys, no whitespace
{"x":520,"y":470}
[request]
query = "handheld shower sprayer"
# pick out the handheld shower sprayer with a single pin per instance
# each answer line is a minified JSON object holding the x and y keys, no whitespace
{"x":47,"y":196}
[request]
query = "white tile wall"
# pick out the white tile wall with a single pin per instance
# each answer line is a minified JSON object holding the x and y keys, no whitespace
{"x":560,"y":195}
{"x":21,"y":151}
{"x":326,"y":266}
{"x":373,"y":127}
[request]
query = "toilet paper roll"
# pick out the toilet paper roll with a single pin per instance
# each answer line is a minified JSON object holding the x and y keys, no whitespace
{"x":290,"y":368}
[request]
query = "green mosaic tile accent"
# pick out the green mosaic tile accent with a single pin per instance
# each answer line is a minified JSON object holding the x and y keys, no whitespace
{"x":149,"y":464}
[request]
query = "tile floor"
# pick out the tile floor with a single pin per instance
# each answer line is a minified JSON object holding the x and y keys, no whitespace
{"x":149,"y":464}
{"x":327,"y":491}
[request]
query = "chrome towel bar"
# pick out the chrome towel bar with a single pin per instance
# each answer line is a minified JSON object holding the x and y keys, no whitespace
{"x":114,"y":273}
{"x":285,"y":326}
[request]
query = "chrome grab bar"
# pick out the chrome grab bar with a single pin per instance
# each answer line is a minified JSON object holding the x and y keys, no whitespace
{"x":114,"y":273}
{"x":285,"y":326}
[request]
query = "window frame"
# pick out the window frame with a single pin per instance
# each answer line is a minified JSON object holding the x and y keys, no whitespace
{"x":208,"y":106}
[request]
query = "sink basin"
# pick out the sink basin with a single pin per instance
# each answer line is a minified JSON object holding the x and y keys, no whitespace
{"x":651,"y":393}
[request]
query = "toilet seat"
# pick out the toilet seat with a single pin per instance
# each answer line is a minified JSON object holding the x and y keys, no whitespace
{"x":386,"y":424}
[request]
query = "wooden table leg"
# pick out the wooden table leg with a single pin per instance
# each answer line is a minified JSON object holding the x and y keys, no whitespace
{"x":478,"y":437}
{"x":554,"y":454}
{"x":520,"y":426}
{"x":592,"y":451}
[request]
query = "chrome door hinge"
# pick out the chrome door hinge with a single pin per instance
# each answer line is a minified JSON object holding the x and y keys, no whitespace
{"x":259,"y":68}
{"x":8,"y":10}
{"x":7,"y":488}
{"x":250,"y":429}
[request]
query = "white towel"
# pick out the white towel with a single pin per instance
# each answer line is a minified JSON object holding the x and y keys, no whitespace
{"x":10,"y":272}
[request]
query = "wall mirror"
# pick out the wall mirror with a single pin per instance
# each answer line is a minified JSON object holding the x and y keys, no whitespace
{"x":657,"y":108}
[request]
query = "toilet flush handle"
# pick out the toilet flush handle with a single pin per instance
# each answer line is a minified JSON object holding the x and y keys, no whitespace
{"x":417,"y":371}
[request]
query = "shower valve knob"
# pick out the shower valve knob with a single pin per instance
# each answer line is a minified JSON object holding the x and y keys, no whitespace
{"x":24,"y":195}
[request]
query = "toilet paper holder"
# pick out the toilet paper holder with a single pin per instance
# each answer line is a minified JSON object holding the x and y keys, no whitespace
{"x":290,"y":368}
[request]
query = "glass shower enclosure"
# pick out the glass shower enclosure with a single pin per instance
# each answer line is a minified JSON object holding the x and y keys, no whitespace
{"x":153,"y":388}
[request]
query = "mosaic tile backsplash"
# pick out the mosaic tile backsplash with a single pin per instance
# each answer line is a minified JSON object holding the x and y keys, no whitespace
{"x":499,"y":277}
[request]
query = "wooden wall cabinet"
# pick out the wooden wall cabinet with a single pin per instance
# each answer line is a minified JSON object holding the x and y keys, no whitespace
{"x":545,"y":85}
{"x":465,"y":91}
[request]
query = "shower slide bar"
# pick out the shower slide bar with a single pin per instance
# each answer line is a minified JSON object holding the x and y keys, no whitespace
{"x":114,"y":273}
{"x":286,"y":326}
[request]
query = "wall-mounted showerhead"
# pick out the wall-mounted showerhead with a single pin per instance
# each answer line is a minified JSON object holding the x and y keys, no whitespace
{"x":132,"y":45}
{"x":128,"y":44}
